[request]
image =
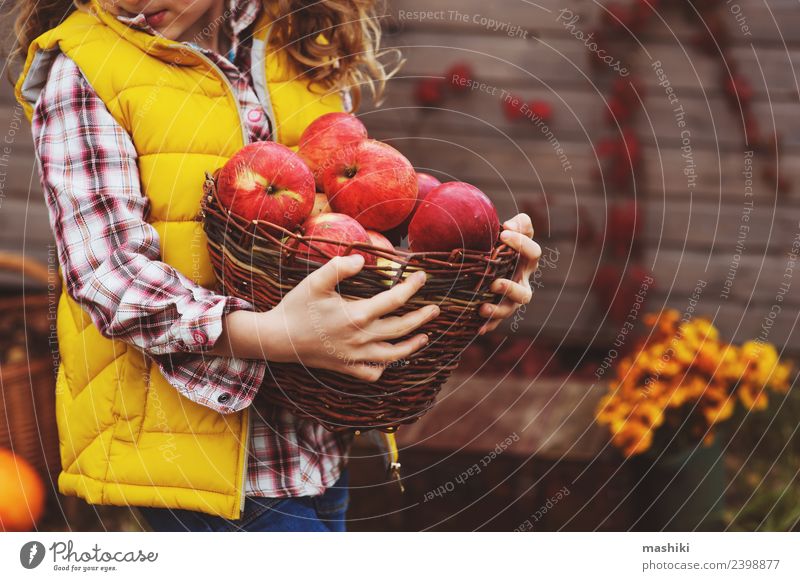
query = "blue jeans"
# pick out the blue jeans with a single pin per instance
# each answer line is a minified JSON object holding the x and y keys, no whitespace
{"x":323,"y":513}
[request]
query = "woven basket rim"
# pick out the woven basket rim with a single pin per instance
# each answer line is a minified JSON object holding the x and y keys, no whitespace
{"x":455,"y":258}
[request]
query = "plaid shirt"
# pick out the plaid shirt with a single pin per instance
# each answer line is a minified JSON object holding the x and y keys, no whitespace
{"x":111,"y":263}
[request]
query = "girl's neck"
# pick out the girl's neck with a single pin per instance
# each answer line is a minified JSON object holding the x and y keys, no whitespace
{"x":209,"y":31}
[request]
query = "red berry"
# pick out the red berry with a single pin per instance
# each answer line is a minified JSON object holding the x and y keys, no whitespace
{"x":541,"y":110}
{"x":629,"y":90}
{"x":752,"y":133}
{"x":429,"y":92}
{"x":631,"y":147}
{"x":459,"y":76}
{"x":617,"y":112}
{"x":738,"y":89}
{"x":607,"y":148}
{"x":624,"y":227}
{"x":605,"y":283}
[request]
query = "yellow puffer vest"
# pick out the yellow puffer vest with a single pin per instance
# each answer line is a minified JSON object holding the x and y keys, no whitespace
{"x":127,"y":436}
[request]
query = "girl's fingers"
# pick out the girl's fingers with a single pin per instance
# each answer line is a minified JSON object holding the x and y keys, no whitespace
{"x":513,"y":291}
{"x":326,"y":277}
{"x":363,"y":371}
{"x":489,"y":327}
{"x":501,"y":311}
{"x":528,"y":249}
{"x":394,"y":327}
{"x":520,"y":223}
{"x":383,"y":352}
{"x":392,"y":299}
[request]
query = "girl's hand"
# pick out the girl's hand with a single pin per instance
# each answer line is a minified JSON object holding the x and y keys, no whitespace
{"x":516,"y":292}
{"x":315,"y":326}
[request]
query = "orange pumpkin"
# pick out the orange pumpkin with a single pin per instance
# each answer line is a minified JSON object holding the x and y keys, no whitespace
{"x":22,"y":493}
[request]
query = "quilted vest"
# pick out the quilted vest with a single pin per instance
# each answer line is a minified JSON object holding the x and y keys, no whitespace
{"x":127,"y":437}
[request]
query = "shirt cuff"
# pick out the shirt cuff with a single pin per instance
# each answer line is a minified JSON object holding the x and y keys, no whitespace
{"x":199,"y":325}
{"x":224,"y":384}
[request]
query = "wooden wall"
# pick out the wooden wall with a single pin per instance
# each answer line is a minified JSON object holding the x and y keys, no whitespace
{"x":690,"y":235}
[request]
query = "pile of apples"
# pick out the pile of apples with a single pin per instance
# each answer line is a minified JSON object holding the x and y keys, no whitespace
{"x":343,"y":186}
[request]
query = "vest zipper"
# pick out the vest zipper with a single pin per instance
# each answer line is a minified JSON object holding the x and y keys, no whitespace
{"x":259,"y":76}
{"x":245,"y":141}
{"x":244,"y":464}
{"x":231,"y":91}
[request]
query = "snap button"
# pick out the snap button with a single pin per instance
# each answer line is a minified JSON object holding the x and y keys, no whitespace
{"x":255,"y":115}
{"x":224,"y":398}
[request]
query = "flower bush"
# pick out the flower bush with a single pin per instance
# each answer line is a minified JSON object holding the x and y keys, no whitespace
{"x":682,"y":379}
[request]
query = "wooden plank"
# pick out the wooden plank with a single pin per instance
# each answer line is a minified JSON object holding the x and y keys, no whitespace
{"x":752,"y":277}
{"x":580,"y":116}
{"x":25,"y":230}
{"x":549,"y":418}
{"x":523,"y":162}
{"x":573,"y":317}
{"x":565,"y":63}
{"x":766,"y":20}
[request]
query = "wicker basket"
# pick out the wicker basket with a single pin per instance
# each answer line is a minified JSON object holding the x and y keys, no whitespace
{"x":27,"y":370}
{"x":257,"y":261}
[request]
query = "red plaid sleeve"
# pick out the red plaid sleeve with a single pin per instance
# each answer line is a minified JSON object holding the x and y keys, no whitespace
{"x":110,"y":256}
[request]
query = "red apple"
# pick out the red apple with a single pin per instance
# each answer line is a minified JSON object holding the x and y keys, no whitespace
{"x":267,"y":181}
{"x":325,"y":137}
{"x":387,"y":265}
{"x":425,"y":183}
{"x":379,"y":240}
{"x":321,"y":205}
{"x":342,"y":229}
{"x":454,"y":215}
{"x":373,"y":183}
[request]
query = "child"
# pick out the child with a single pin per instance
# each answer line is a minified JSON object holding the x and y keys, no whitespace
{"x":131,"y":102}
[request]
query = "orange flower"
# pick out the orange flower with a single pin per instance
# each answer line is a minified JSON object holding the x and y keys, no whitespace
{"x":754,"y":397}
{"x":683,"y":365}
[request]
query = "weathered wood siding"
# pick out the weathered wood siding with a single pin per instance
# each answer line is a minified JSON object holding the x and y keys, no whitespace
{"x":690,"y":235}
